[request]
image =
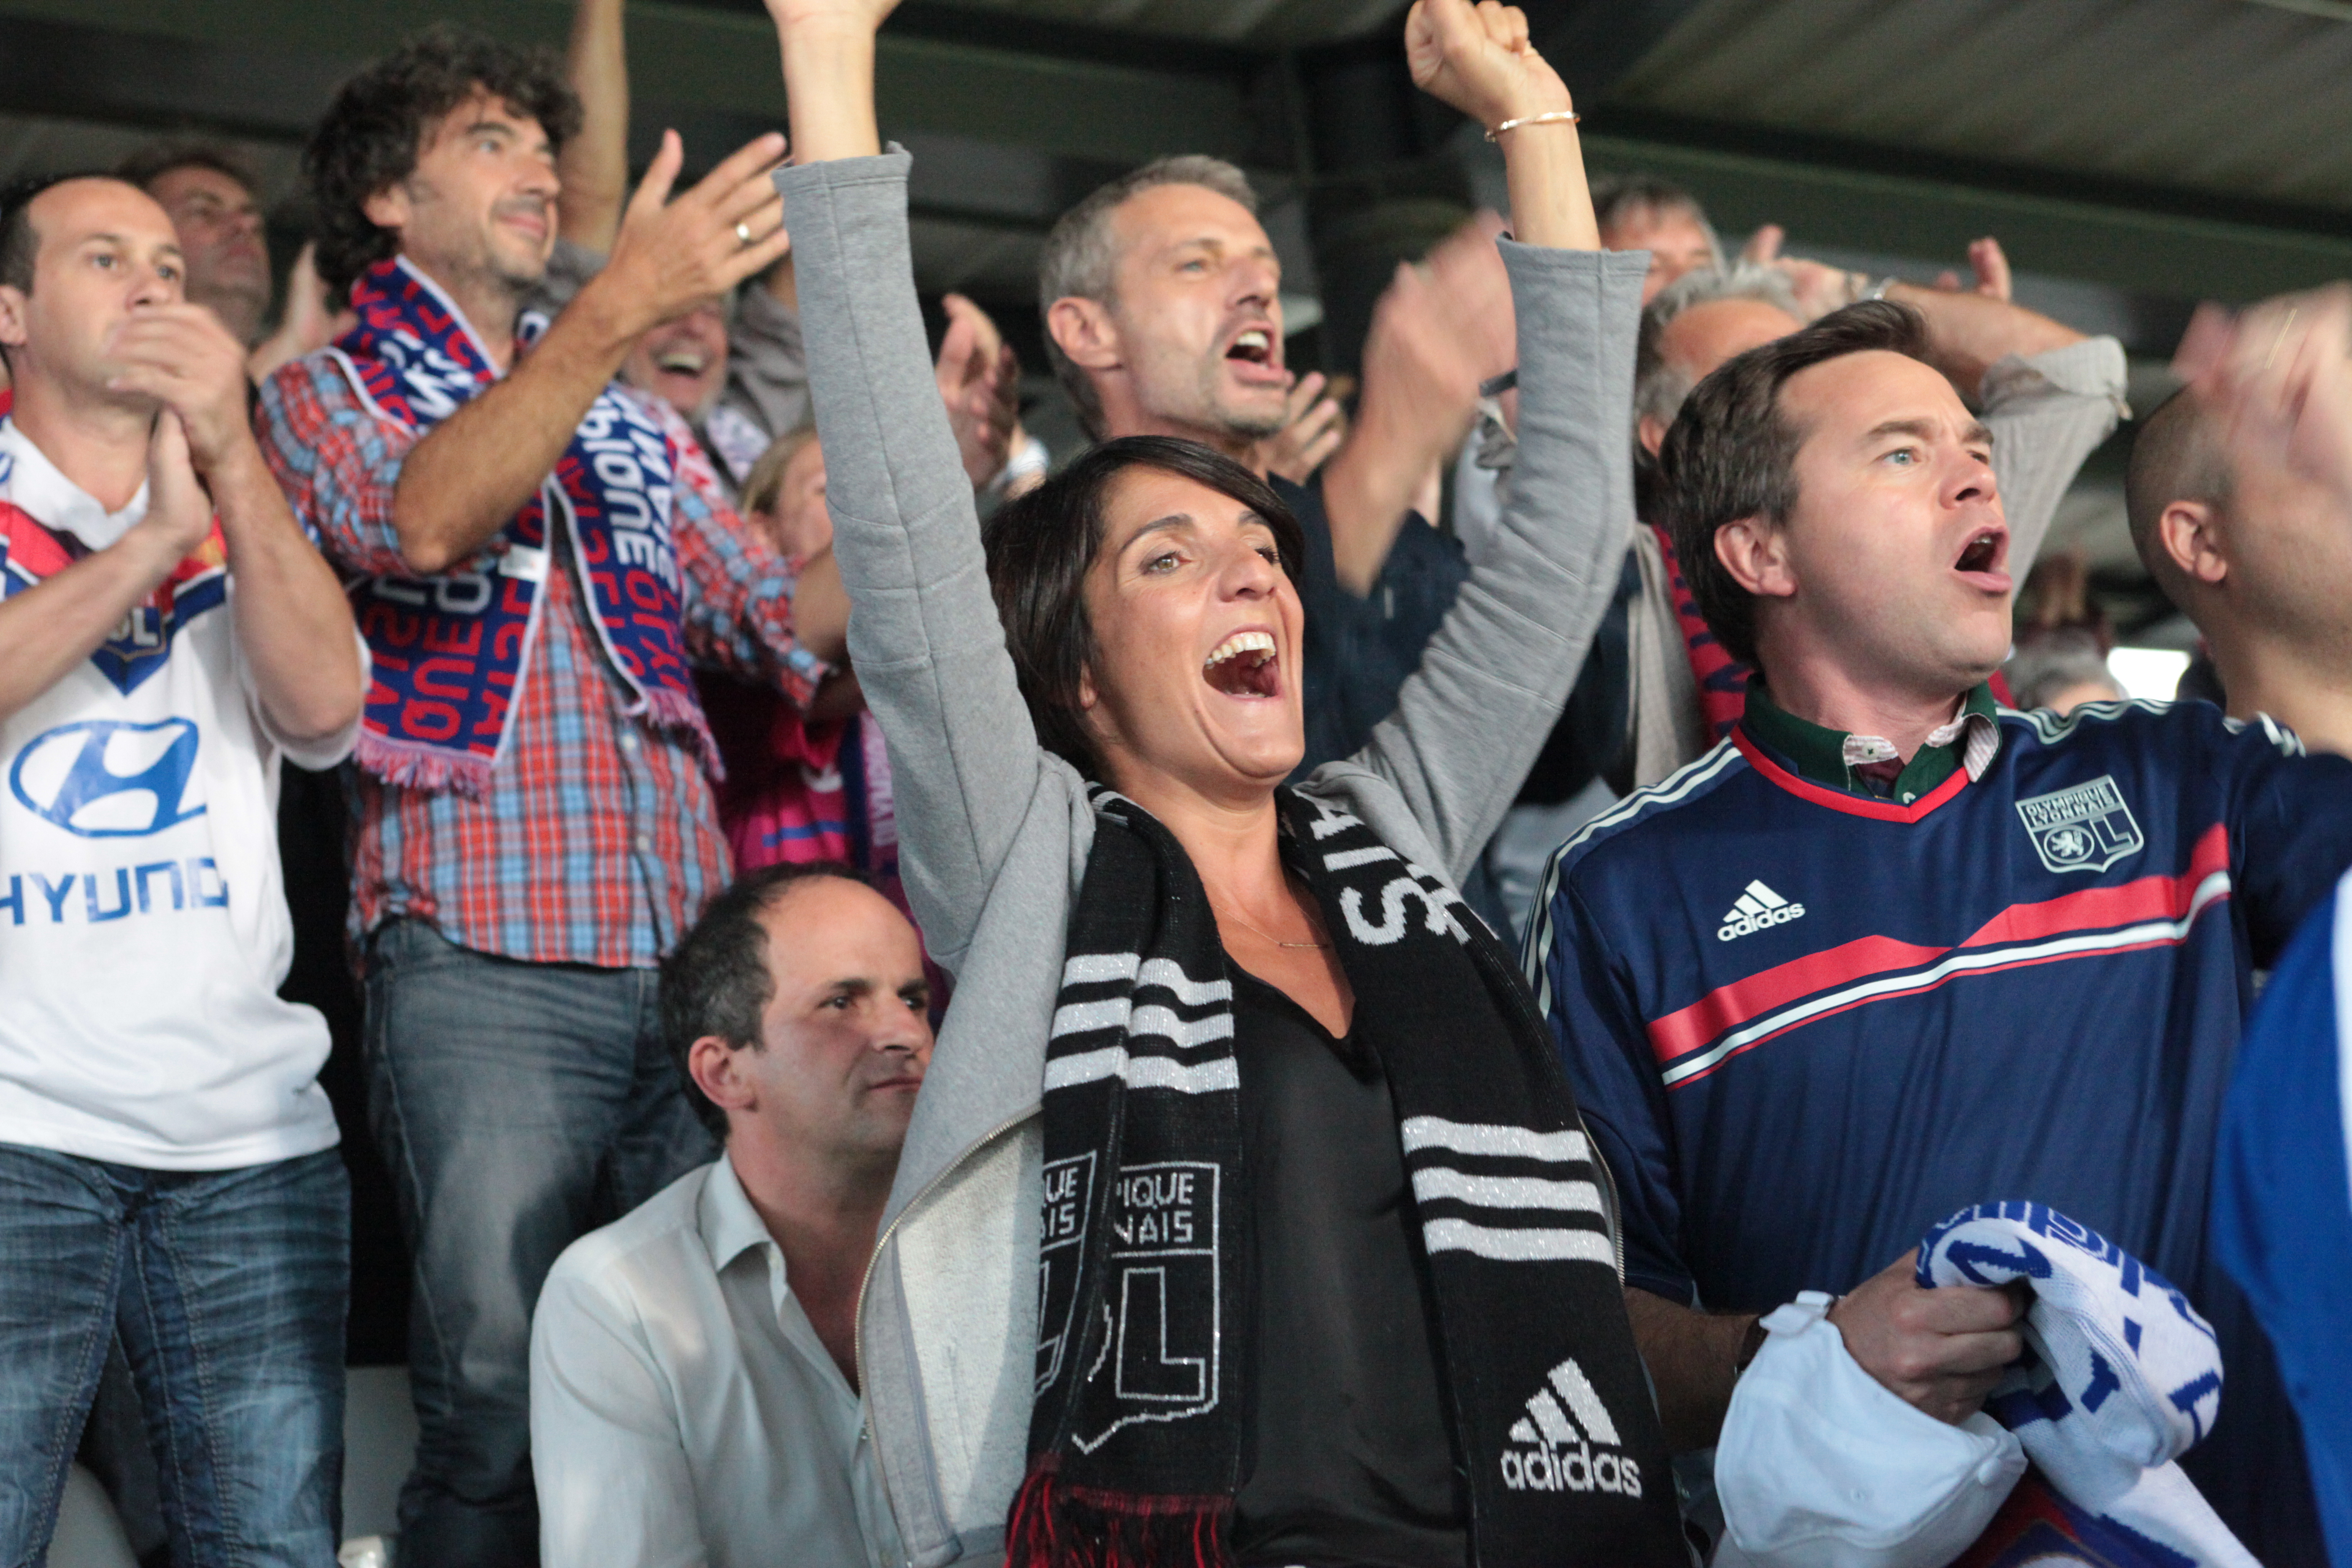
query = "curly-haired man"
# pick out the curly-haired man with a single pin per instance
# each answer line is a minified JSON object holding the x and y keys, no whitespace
{"x":540,"y":557}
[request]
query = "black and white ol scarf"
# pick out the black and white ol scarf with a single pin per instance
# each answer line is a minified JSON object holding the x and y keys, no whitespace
{"x":1136,"y":1441}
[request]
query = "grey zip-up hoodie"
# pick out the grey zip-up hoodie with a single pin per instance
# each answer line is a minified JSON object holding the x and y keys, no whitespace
{"x":995,"y":831}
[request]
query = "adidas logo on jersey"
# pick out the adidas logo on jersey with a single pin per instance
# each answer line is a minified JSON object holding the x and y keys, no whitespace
{"x":1759,"y":907}
{"x":1556,"y":1439}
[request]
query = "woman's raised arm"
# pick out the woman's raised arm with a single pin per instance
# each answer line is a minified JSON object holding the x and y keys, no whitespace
{"x":923,"y":632}
{"x":1491,"y":682}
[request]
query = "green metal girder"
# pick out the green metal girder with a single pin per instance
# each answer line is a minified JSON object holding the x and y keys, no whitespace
{"x":2125,"y":247}
{"x":726,"y":60}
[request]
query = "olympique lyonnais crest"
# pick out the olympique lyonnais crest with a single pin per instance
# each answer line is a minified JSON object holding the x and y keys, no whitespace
{"x":2086,"y":828}
{"x":1069,"y":1198}
{"x":1163,"y":1223}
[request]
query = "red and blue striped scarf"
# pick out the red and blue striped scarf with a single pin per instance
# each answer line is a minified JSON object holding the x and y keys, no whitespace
{"x":450,"y":649}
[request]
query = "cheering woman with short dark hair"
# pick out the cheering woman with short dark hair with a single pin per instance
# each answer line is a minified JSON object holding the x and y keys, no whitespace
{"x":1245,"y":1215}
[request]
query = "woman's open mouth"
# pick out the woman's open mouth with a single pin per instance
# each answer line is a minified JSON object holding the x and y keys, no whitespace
{"x":1244,"y":664}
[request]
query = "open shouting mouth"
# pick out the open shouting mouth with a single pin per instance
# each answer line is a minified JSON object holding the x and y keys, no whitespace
{"x":1982,"y":558}
{"x":1255,"y":353}
{"x":1245,"y":665}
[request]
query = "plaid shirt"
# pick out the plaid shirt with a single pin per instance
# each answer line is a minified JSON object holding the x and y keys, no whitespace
{"x":597,"y":841}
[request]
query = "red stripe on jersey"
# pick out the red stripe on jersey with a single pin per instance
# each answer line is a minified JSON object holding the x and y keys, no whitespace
{"x":1728,"y":1006}
{"x":2096,"y":908}
{"x":27,"y":544}
{"x":28,"y":547}
{"x":1838,"y":799}
{"x":2093,"y":909}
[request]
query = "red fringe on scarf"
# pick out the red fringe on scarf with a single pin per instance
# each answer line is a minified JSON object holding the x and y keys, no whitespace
{"x":1054,"y":1525}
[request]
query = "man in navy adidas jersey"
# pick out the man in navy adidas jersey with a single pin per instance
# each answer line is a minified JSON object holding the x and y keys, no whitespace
{"x":1890,"y":951}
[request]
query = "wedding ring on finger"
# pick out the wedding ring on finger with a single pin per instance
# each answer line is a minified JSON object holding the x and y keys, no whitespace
{"x":743,"y":233}
{"x":2280,"y":341}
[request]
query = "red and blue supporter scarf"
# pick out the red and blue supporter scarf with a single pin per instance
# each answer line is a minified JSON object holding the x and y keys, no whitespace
{"x":1722,"y":679}
{"x":449,"y":650}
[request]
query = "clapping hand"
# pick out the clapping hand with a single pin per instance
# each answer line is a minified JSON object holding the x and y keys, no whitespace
{"x":671,"y":255}
{"x":979,"y":381}
{"x":2278,"y":381}
{"x":179,"y":509}
{"x":180,"y":355}
{"x":1989,"y":264}
{"x":1313,"y":428}
{"x":1819,"y":287}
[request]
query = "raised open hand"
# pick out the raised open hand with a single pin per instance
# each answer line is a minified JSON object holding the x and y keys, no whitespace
{"x":671,"y":255}
{"x":2279,"y":381}
{"x":1476,"y":292}
{"x":311,"y":321}
{"x":1312,"y":431}
{"x":1477,"y":58}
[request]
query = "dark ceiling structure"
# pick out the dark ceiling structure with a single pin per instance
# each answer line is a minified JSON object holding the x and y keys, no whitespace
{"x":2133,"y":155}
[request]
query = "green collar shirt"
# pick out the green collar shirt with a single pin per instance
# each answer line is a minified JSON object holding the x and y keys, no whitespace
{"x":1855,"y":764}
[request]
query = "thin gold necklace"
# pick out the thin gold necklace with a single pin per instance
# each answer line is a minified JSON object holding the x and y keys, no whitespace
{"x":1261,"y":936}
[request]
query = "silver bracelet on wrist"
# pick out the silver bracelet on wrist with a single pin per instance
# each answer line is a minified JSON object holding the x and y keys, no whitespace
{"x":1557,"y":117}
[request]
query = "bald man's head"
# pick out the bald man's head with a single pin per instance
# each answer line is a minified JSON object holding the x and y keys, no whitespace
{"x":2177,"y":455}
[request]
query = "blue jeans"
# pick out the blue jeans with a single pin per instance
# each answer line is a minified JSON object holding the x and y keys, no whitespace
{"x":518,"y":1106}
{"x":227,"y":1289}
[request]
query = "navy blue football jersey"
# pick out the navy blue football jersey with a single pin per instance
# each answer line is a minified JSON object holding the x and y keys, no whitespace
{"x":1805,"y":1025}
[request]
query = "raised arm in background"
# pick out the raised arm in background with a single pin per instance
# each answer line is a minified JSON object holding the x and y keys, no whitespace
{"x":1443,"y":326}
{"x":1469,"y":720}
{"x":595,"y":164}
{"x":925,"y":638}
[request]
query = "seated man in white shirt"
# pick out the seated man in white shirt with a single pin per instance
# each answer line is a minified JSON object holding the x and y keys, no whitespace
{"x":693,"y":1367}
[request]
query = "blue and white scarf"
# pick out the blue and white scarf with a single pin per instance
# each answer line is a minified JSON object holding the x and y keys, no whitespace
{"x":2120,"y":1378}
{"x":450,"y":650}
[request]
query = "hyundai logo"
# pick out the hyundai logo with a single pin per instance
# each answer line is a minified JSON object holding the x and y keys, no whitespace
{"x":106,"y":778}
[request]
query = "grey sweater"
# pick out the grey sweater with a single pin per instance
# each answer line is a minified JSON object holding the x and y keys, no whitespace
{"x":995,"y":831}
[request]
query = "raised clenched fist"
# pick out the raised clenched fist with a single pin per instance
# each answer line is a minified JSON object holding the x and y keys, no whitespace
{"x":1479,"y":59}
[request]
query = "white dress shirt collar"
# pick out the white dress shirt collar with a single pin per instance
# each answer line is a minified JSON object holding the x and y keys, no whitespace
{"x":730,"y":1227}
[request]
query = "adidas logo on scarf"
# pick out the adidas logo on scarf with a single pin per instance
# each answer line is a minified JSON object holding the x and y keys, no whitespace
{"x":1137,"y":1438}
{"x":1555,"y":1452}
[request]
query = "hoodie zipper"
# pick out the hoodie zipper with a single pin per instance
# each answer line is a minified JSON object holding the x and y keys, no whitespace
{"x":1609,"y":1185}
{"x":865,"y":1282}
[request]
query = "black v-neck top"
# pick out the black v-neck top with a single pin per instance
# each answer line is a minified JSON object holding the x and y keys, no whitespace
{"x":1348,"y":1462}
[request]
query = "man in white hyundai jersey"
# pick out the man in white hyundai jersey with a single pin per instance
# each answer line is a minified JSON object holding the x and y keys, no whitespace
{"x":167,"y":1164}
